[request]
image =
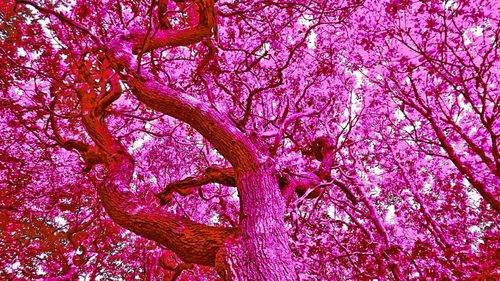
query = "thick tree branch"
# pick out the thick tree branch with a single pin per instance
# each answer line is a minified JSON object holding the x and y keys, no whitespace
{"x":215,"y":127}
{"x":300,"y":184}
{"x":213,"y":174}
{"x":206,"y":26}
{"x":192,"y":242}
{"x":90,"y":154}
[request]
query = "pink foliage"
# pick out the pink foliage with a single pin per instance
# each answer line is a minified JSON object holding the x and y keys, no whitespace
{"x":378,"y":120}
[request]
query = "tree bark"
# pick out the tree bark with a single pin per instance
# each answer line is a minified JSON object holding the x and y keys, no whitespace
{"x":260,"y":249}
{"x":192,"y":242}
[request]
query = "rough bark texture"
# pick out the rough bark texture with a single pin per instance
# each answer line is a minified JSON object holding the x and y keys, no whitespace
{"x":192,"y":242}
{"x":288,"y":184}
{"x":231,"y":143}
{"x":166,"y":38}
{"x":187,"y":186}
{"x":260,"y":251}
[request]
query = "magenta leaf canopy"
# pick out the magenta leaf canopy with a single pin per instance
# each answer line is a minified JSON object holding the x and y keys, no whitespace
{"x":249,"y":140}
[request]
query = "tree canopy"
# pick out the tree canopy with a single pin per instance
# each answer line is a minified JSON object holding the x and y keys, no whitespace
{"x":249,"y":140}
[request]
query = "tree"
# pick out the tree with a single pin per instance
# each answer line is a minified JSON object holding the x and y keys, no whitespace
{"x":249,"y":140}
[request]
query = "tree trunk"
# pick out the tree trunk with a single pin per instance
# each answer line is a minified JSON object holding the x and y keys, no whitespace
{"x":260,"y":250}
